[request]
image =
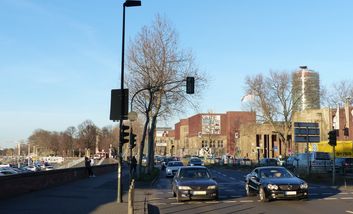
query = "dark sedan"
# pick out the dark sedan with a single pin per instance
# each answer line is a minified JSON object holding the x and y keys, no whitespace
{"x":195,"y":162}
{"x":275,"y":183}
{"x":194,"y":182}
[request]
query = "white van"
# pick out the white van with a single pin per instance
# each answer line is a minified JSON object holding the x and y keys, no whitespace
{"x":319,"y":162}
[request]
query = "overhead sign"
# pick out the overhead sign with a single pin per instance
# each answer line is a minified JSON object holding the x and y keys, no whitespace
{"x":306,"y":132}
{"x":306,"y":139}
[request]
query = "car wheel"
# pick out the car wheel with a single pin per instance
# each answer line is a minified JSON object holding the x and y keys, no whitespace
{"x":174,"y":195}
{"x":247,"y":190}
{"x":262,"y":195}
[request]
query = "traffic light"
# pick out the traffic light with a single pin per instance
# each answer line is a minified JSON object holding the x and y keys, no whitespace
{"x":190,"y":85}
{"x":124,"y":134}
{"x":332,"y":138}
{"x":132,"y":140}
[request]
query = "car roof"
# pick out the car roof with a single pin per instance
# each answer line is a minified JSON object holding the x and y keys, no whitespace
{"x":270,"y":167}
{"x":193,"y":167}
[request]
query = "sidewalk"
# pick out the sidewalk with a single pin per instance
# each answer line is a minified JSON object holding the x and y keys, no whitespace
{"x":91,"y":195}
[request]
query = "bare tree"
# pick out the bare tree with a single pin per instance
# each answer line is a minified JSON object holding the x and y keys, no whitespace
{"x":273,"y":101}
{"x":158,"y":69}
{"x":87,"y":132}
{"x":340,"y":93}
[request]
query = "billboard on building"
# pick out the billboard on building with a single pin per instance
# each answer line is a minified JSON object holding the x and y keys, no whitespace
{"x":162,"y":133}
{"x":211,"y":124}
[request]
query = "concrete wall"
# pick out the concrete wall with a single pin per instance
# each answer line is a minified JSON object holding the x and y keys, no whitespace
{"x":28,"y":182}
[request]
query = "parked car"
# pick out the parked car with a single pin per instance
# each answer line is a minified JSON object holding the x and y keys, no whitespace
{"x":269,"y":162}
{"x":8,"y":171}
{"x":275,"y":182}
{"x":319,"y":162}
{"x":173,"y":167}
{"x":242,"y":162}
{"x":194,"y":182}
{"x":166,"y":161}
{"x":344,"y":165}
{"x":195,"y":162}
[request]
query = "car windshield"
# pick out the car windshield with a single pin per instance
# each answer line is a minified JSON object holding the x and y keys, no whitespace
{"x":175,"y":164}
{"x":275,"y":173}
{"x":189,"y":173}
{"x":195,"y":160}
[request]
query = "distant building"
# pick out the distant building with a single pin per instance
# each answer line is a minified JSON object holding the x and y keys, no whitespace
{"x":306,"y":89}
{"x":210,"y":134}
{"x":165,"y":143}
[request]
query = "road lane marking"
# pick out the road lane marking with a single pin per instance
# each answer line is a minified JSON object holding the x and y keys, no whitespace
{"x":158,"y":203}
{"x":212,"y":202}
{"x":348,"y":211}
{"x":330,"y":198}
{"x":177,"y":203}
{"x":171,"y":198}
{"x":343,"y":193}
{"x":347,"y":198}
{"x":230,"y":201}
{"x":246,"y":201}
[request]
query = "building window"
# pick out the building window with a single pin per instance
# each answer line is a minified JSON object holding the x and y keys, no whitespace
{"x":203,"y":144}
{"x":222,"y":143}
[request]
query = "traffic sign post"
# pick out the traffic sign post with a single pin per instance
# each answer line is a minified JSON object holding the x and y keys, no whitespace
{"x":306,"y":133}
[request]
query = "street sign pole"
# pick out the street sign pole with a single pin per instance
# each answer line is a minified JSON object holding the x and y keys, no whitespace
{"x":307,"y":150}
{"x":333,"y":165}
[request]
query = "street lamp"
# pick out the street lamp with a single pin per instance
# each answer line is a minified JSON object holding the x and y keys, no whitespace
{"x":127,"y":3}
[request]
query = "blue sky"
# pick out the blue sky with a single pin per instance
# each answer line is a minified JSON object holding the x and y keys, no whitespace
{"x":61,"y":58}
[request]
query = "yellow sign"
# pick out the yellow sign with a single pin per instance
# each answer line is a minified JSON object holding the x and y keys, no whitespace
{"x":343,"y":148}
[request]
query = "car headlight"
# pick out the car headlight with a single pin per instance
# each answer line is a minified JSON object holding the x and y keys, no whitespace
{"x":272,"y":187}
{"x":304,"y":186}
{"x":184,"y":188}
{"x":212,"y":187}
{"x":168,"y":170}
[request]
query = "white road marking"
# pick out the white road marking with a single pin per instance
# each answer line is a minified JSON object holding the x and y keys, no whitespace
{"x":232,"y":178}
{"x":348,"y":211}
{"x":347,"y":198}
{"x":212,"y":202}
{"x":195,"y":202}
{"x":177,"y":203}
{"x":158,"y":203}
{"x":343,"y":193}
{"x":246,"y":201}
{"x":171,"y":198}
{"x":229,"y":201}
{"x":155,"y":198}
{"x":330,"y":198}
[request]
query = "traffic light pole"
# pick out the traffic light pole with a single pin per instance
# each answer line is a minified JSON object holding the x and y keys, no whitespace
{"x":333,"y":165}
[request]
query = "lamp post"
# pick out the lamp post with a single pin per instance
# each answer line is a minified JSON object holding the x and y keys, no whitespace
{"x":127,"y":3}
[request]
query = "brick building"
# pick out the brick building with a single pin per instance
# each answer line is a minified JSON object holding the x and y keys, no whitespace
{"x":210,"y":133}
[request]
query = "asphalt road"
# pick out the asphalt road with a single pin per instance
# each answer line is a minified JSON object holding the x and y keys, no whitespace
{"x":322,"y":199}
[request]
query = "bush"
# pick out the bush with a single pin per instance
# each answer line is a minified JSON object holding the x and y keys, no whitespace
{"x":145,"y":177}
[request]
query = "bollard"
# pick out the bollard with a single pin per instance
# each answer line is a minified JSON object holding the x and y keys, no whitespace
{"x":131,"y":198}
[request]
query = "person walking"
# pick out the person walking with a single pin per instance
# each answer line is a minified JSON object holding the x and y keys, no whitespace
{"x":133,"y":166}
{"x":88,"y":167}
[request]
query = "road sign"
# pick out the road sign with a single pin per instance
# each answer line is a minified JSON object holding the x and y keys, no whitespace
{"x":306,"y":131}
{"x":306,"y":139}
{"x":304,"y":124}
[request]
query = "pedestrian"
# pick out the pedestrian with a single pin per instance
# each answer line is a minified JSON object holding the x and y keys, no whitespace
{"x":133,"y":165}
{"x":88,"y":167}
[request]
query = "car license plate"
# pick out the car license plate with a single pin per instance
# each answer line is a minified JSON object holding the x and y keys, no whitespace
{"x":199,"y":193}
{"x":291,"y":193}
